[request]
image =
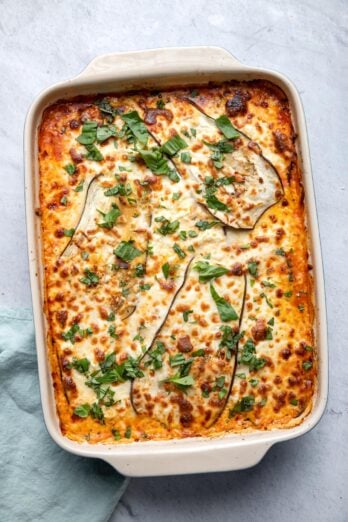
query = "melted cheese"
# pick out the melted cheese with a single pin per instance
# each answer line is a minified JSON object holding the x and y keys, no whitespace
{"x":138,"y":345}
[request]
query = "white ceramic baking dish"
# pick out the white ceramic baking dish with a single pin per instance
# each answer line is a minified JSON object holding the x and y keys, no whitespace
{"x":158,"y":68}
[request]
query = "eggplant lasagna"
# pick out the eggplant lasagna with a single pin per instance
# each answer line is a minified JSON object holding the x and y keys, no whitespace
{"x":178,"y":291}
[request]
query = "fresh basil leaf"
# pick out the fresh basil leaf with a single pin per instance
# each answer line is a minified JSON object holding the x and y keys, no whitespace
{"x":97,"y":413}
{"x":176,"y":196}
{"x":166,"y":270}
{"x":186,"y":315}
{"x":269,"y":284}
{"x":307,"y":365}
{"x":253,"y":268}
{"x":107,"y":110}
{"x":185,"y":157}
{"x":155,"y":161}
{"x":208,"y":272}
{"x":127,"y":251}
{"x":198,"y":353}
{"x":116,"y":434}
{"x":206,"y":225}
{"x":80,"y":365}
{"x":226,"y":311}
{"x":249,"y":358}
{"x":89,"y":133}
{"x":179,"y":251}
{"x":119,"y":190}
{"x":70,"y":168}
{"x":229,"y":340}
{"x":82,"y":410}
{"x":64,"y":201}
{"x":245,"y":404}
{"x":110,"y":217}
{"x":79,"y":187}
{"x":224,"y":124}
{"x":177,"y":360}
{"x":173,"y":145}
{"x":181,"y":381}
{"x":168,"y":227}
{"x":214,"y":203}
{"x":68,"y":232}
{"x":90,"y":278}
{"x":105,"y":132}
{"x":93,"y":153}
{"x":137,"y":126}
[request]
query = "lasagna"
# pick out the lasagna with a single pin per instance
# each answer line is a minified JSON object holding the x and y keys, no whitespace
{"x":178,"y":287}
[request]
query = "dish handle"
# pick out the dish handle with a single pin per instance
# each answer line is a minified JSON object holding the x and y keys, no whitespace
{"x":154,"y":462}
{"x":161,"y":61}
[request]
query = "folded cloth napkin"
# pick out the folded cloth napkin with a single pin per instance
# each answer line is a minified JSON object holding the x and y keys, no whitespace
{"x":38,"y":480}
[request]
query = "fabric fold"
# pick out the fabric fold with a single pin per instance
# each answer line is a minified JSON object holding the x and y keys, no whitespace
{"x":39,"y":480}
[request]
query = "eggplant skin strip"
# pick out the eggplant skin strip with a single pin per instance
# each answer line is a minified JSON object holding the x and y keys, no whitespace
{"x":90,"y":184}
{"x":171,"y":304}
{"x":235,"y":356}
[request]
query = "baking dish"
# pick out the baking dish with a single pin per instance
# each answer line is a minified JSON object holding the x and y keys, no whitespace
{"x":156,"y":69}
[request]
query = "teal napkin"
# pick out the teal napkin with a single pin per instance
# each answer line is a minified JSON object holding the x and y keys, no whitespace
{"x":38,"y":480}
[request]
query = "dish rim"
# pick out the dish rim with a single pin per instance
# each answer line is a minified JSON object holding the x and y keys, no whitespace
{"x":157,"y":67}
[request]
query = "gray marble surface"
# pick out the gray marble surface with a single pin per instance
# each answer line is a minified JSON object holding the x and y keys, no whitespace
{"x":42,"y":42}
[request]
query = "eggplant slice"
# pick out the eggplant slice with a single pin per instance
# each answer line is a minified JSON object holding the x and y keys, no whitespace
{"x":91,"y":236}
{"x":231,"y":178}
{"x":189,"y":369}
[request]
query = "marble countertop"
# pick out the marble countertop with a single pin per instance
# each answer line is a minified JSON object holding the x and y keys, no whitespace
{"x":46,"y":42}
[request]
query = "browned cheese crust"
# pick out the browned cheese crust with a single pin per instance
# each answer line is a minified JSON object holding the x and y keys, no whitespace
{"x":125,"y":249}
